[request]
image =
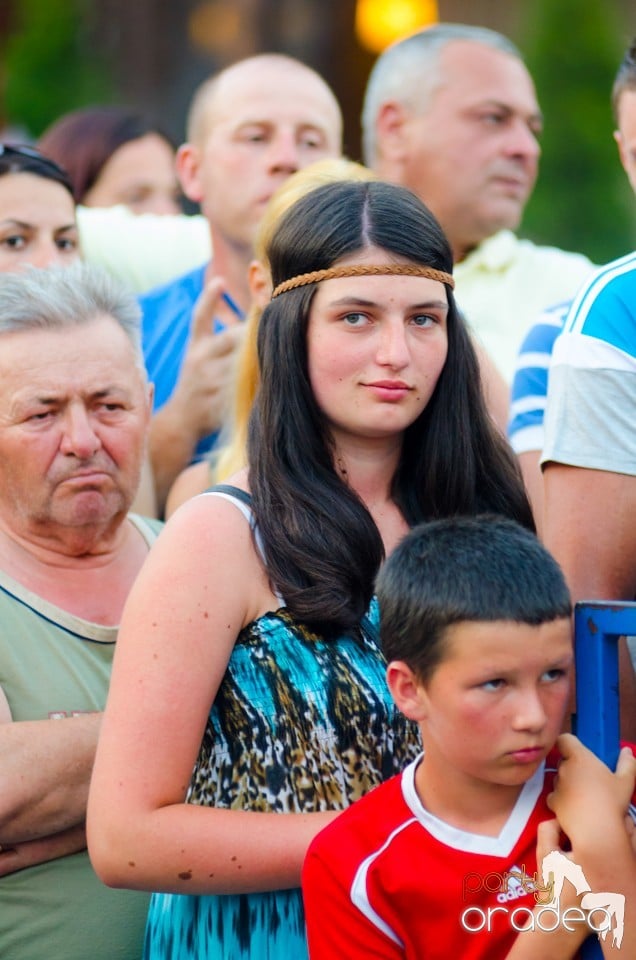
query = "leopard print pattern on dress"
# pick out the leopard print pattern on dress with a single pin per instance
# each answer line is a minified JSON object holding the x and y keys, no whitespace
{"x":299,"y":724}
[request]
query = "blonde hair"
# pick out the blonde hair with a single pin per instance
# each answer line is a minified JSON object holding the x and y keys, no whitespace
{"x":231,"y":455}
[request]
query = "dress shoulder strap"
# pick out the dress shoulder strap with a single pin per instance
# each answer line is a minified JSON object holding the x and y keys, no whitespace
{"x":231,"y":491}
{"x":241,"y":500}
{"x":370,"y":629}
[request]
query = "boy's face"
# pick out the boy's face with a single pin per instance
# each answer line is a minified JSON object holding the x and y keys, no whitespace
{"x":495,"y":704}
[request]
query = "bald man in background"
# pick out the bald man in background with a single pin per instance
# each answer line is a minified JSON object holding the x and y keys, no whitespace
{"x":249,"y":128}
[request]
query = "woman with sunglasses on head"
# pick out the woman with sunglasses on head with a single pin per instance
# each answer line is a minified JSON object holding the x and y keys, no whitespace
{"x":37,"y":211}
{"x":248,"y":702}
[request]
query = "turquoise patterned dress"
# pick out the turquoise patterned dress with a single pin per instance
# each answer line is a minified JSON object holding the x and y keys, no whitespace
{"x":299,"y":724}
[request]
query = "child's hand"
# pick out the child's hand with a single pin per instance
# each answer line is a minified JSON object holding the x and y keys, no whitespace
{"x":588,"y":797}
{"x":548,"y":839}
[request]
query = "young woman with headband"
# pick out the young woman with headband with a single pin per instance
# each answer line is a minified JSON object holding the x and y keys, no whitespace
{"x":248,"y":701}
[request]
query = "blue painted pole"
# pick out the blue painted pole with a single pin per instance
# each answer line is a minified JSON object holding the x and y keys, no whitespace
{"x":597,"y":627}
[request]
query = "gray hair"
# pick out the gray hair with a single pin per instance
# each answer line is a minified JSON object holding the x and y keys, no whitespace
{"x":44,"y":299}
{"x":409,"y":71}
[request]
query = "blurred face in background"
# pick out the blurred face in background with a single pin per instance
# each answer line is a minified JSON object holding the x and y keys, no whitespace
{"x":625,"y":136}
{"x":141,"y":175}
{"x":37,"y":223}
{"x":264,"y":120}
{"x":472,"y":152}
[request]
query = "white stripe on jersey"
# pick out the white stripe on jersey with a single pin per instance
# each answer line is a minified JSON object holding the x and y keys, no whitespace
{"x":590,"y":291}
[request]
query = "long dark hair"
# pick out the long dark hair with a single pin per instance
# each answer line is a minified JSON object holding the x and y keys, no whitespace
{"x":322,"y":547}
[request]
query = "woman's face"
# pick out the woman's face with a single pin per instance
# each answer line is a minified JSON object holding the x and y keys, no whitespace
{"x":376,"y":347}
{"x":141,"y":175}
{"x":37,"y":223}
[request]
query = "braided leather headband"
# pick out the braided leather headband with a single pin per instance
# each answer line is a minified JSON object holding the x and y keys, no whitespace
{"x":361,"y":270}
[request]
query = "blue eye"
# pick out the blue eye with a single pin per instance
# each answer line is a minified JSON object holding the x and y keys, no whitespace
{"x":355,"y":319}
{"x":552,"y":675}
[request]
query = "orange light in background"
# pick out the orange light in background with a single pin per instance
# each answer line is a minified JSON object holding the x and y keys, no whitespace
{"x":381,"y":22}
{"x":214,"y":25}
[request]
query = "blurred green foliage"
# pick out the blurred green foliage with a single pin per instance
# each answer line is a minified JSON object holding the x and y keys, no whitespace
{"x":582,"y":200}
{"x":51,"y":62}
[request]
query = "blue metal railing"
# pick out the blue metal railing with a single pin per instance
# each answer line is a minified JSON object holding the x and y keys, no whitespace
{"x":597,"y":627}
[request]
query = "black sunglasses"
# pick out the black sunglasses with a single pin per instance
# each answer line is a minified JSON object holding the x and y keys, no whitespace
{"x":32,"y":161}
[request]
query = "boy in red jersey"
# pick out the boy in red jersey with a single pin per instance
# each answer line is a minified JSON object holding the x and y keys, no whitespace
{"x":444,"y":861}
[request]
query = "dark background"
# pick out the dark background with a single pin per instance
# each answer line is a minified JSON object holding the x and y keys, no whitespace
{"x":56,"y":55}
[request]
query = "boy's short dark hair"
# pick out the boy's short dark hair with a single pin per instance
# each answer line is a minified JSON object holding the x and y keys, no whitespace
{"x":482,"y":568}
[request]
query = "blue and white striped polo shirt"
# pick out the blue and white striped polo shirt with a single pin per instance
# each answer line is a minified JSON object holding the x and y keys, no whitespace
{"x":529,"y":389}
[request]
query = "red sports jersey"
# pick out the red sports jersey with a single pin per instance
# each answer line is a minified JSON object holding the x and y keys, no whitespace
{"x":389,"y":880}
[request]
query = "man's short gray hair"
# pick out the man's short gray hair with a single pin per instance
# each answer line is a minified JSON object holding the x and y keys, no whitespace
{"x":44,"y":299}
{"x":408,"y":72}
